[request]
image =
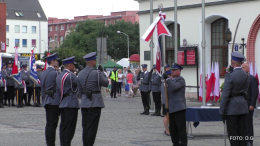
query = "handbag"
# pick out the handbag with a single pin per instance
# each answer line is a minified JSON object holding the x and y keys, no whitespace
{"x":127,"y":87}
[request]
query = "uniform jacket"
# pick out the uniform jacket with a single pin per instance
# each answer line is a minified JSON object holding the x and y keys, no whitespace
{"x":39,"y":77}
{"x":48,"y":82}
{"x":155,"y":82}
{"x":70,"y":82}
{"x":27,"y":79}
{"x":6,"y":75}
{"x":233,"y":83}
{"x":1,"y":81}
{"x":176,"y":94}
{"x":163,"y":93}
{"x":252,"y":91}
{"x":145,"y":81}
{"x":95,"y":80}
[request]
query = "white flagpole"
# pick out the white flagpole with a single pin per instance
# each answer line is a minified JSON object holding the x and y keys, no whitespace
{"x":175,"y":32}
{"x":203,"y":45}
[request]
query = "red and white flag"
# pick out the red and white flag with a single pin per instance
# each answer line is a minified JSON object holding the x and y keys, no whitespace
{"x":201,"y":84}
{"x":212,"y":80}
{"x":46,"y":63}
{"x":251,"y":69}
{"x":256,"y":75}
{"x":208,"y":84}
{"x":216,"y":86}
{"x":15,"y":65}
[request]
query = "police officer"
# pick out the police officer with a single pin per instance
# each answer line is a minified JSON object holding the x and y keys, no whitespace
{"x":7,"y":74}
{"x":233,"y":106}
{"x":164,"y":115}
{"x":114,"y":78}
{"x":50,"y":99}
{"x":38,"y":86}
{"x":177,"y":105}
{"x":29,"y":85}
{"x":66,"y":83}
{"x":2,"y":89}
{"x":251,"y":102}
{"x":145,"y":79}
{"x":156,"y":90}
{"x":89,"y":82}
{"x":4,"y":83}
{"x":20,"y":90}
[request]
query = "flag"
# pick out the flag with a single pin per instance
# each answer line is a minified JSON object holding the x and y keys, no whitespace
{"x":216,"y":86}
{"x":32,"y":67}
{"x":251,"y":69}
{"x":209,"y":85}
{"x":16,"y":75}
{"x":149,"y":32}
{"x":46,"y":63}
{"x":158,"y":56}
{"x":256,"y":75}
{"x":201,"y":84}
{"x":212,"y":80}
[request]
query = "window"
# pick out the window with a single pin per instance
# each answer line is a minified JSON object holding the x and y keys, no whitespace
{"x":7,"y":42}
{"x":61,"y":38}
{"x":33,"y":29}
{"x":24,"y":29}
{"x":61,"y":27}
{"x":50,"y":39}
{"x":33,"y":43}
{"x":7,"y":28}
{"x":68,"y":26}
{"x":17,"y":43}
{"x":24,"y":42}
{"x":71,"y":25}
{"x":6,"y":14}
{"x":169,"y":43}
{"x":50,"y":28}
{"x":109,"y":21}
{"x":146,"y":55}
{"x":56,"y":28}
{"x":56,"y":39}
{"x":17,"y":28}
{"x":105,"y":23}
{"x":219,"y":46}
{"x":39,"y":15}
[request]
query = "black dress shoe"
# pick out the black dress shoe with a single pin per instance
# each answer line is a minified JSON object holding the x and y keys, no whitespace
{"x":115,"y":97}
{"x":8,"y":105}
{"x":18,"y":106}
{"x":5,"y":103}
{"x":13,"y":104}
{"x":29,"y":104}
{"x":154,"y":114}
{"x":21,"y":105}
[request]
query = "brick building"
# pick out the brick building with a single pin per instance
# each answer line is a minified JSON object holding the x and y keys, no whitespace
{"x":2,"y":24}
{"x":58,"y":29}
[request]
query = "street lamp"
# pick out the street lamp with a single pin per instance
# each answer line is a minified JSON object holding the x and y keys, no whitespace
{"x":243,"y":44}
{"x":45,"y":44}
{"x":228,"y":35}
{"x":127,"y":40}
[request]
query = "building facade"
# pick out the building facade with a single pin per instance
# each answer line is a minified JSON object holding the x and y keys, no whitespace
{"x":26,"y":27}
{"x":58,"y":29}
{"x":2,"y":26}
{"x":219,"y":16}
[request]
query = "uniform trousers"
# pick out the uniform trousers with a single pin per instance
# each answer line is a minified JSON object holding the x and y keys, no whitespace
{"x":249,"y":125}
{"x":90,"y":121}
{"x":157,"y":100}
{"x":178,"y":128}
{"x":68,"y":125}
{"x":145,"y":99}
{"x":52,"y":118}
{"x":113,"y":88}
{"x":10,"y":93}
{"x":20,"y":95}
{"x":30,"y":93}
{"x":2,"y":90}
{"x":38,"y":95}
{"x":236,"y":126}
{"x":5,"y":97}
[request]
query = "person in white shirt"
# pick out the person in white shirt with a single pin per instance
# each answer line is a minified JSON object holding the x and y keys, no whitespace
{"x":120,"y":81}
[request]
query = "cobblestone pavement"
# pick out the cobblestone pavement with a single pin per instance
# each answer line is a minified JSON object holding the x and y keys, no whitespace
{"x":120,"y":125}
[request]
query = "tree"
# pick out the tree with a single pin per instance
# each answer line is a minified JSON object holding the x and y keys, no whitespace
{"x":83,"y":40}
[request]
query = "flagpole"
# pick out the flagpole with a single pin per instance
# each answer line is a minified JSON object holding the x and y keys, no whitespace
{"x":17,"y":96}
{"x":175,"y":32}
{"x":34,"y":94}
{"x":151,"y":51}
{"x":203,"y":45}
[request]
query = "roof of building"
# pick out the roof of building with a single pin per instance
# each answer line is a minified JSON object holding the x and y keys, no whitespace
{"x":25,"y":10}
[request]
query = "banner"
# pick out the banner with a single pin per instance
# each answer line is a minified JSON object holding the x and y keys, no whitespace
{"x":16,"y":75}
{"x":32,"y":67}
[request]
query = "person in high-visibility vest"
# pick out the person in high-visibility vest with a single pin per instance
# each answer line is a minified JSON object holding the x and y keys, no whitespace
{"x":114,"y":78}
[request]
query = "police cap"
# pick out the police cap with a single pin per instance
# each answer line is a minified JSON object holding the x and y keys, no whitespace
{"x":176,"y":66}
{"x":69,"y":60}
{"x":237,"y":56}
{"x":53,"y":56}
{"x":90,"y":56}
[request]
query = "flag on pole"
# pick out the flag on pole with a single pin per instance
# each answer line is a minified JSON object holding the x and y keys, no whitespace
{"x":208,"y":84}
{"x":256,"y":75}
{"x":32,"y":66}
{"x":251,"y":69}
{"x":217,"y":86}
{"x":46,"y":63}
{"x":212,"y":80}
{"x":16,"y":75}
{"x":201,"y":84}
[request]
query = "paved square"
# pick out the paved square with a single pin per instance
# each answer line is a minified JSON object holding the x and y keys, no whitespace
{"x":120,"y":125}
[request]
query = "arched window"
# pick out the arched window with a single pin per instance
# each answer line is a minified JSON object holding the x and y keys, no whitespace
{"x":169,"y":43}
{"x":219,"y":45}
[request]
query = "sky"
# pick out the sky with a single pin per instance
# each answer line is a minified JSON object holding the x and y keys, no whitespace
{"x":70,"y":8}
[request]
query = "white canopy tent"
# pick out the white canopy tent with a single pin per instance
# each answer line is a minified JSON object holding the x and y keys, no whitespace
{"x":124,"y":62}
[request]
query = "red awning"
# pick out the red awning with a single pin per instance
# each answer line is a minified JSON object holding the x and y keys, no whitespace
{"x":134,"y":57}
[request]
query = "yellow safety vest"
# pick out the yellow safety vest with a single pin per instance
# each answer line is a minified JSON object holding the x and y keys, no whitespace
{"x":114,"y":76}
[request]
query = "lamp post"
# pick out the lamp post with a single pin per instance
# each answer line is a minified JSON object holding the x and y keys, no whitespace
{"x":243,"y":44}
{"x":228,"y":36}
{"x":45,"y":44}
{"x":127,"y":41}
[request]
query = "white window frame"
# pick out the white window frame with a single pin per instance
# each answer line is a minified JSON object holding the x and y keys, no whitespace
{"x":26,"y":43}
{"x":35,"y":29}
{"x":61,"y":38}
{"x":7,"y":40}
{"x":15,"y":28}
{"x":23,"y":27}
{"x":62,"y":27}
